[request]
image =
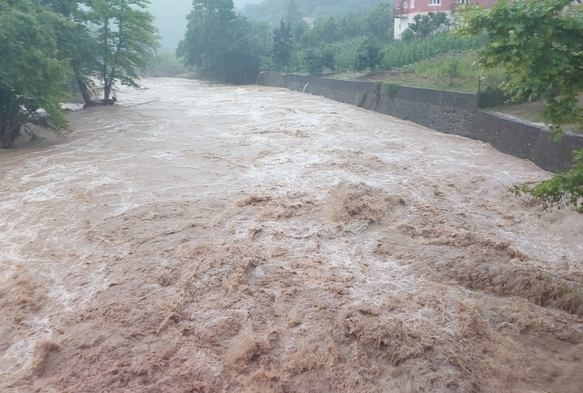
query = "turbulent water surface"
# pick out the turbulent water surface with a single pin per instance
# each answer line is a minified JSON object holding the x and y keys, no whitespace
{"x":203,"y":238}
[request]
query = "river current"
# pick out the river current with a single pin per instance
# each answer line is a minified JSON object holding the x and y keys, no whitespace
{"x":208,"y":238}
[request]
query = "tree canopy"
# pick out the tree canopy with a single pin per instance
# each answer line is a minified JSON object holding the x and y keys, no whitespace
{"x":44,"y":42}
{"x":540,"y":46}
{"x":125,"y":40}
{"x":425,"y":25}
{"x":76,"y":43}
{"x":31,"y":70}
{"x":221,"y":44}
{"x":282,"y":45}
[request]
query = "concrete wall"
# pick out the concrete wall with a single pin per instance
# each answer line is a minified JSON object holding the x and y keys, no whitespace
{"x":444,"y":111}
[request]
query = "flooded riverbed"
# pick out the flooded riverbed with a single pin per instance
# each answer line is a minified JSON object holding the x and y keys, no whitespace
{"x":203,"y":238}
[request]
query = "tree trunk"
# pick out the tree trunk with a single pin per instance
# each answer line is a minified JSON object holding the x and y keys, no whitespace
{"x":3,"y":137}
{"x":85,"y":92}
{"x":8,"y":134}
{"x":83,"y":88}
{"x":106,"y":92}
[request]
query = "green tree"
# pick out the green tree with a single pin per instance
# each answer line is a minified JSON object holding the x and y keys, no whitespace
{"x":293,"y":17}
{"x":540,"y":46}
{"x":351,"y":26}
{"x":76,"y":44}
{"x":368,"y":55}
{"x":126,"y":39}
{"x":408,"y":35}
{"x":379,"y":22}
{"x":452,"y":69}
{"x":282,"y":45}
{"x":426,"y":24}
{"x":322,"y":32}
{"x":316,"y":60}
{"x":221,"y":44}
{"x":31,"y":72}
{"x":241,"y":62}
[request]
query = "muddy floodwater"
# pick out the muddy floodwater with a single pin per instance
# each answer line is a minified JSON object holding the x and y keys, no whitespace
{"x":204,"y":238}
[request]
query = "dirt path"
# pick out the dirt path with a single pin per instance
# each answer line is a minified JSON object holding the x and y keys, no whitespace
{"x":216,"y":239}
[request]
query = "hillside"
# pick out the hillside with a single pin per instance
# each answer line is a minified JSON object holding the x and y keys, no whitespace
{"x":274,"y":10}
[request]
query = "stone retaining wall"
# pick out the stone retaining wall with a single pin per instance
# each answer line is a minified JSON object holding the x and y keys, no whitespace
{"x":444,"y":111}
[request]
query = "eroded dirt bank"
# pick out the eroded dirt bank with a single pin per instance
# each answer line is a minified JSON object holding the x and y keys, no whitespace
{"x":215,"y":239}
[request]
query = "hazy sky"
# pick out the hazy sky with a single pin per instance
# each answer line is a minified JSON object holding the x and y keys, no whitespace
{"x":171,"y":19}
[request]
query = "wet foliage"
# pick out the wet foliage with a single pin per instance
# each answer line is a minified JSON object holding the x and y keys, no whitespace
{"x":221,"y":44}
{"x":540,"y":46}
{"x":44,"y":42}
{"x":31,"y":68}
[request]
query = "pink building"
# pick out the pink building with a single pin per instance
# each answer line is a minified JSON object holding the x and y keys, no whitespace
{"x":406,"y":10}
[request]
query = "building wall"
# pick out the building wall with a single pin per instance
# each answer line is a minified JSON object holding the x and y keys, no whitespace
{"x":406,"y":10}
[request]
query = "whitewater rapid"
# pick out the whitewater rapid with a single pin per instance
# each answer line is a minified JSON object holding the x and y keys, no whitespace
{"x":210,"y":238}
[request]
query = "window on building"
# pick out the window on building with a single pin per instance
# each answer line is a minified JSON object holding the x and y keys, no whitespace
{"x":412,"y":3}
{"x":463,"y":1}
{"x":434,"y":2}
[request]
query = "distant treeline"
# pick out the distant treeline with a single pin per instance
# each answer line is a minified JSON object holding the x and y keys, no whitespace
{"x":228,"y":47}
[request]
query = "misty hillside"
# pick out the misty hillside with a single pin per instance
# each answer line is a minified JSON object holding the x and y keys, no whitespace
{"x":274,"y":10}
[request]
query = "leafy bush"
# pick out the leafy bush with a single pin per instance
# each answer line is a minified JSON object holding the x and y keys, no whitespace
{"x":316,"y":60}
{"x":368,"y":55}
{"x":452,"y":69}
{"x":563,"y":190}
{"x":345,"y":52}
{"x":392,"y":90}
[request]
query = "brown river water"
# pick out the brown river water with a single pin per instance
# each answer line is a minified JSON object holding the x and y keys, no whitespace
{"x":204,"y":238}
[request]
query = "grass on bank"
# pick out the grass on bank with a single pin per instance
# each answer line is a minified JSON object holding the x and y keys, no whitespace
{"x":465,"y":76}
{"x":454,"y":71}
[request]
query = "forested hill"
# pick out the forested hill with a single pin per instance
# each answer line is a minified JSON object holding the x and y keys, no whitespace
{"x":273,"y":11}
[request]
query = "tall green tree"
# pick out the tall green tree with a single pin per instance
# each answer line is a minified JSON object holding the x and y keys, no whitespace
{"x":126,"y":38}
{"x":368,"y":55}
{"x":293,"y":17}
{"x":379,"y":22}
{"x":76,"y":43}
{"x":315,"y":60}
{"x":540,"y":46}
{"x":282,"y":45}
{"x":221,"y":44}
{"x":31,"y":71}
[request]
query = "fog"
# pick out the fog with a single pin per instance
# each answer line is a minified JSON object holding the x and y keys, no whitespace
{"x":171,"y":19}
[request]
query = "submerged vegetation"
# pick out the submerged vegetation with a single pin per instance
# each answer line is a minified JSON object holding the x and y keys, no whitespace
{"x":31,"y":68}
{"x":43,"y":43}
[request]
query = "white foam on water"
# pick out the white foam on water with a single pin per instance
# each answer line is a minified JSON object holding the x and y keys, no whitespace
{"x":180,"y":141}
